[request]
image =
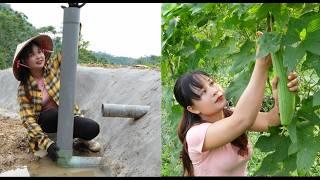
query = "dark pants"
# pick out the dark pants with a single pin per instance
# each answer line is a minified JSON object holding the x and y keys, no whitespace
{"x":83,"y":128}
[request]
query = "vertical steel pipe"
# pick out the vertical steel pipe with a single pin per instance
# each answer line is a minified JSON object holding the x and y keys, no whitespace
{"x":71,"y":23}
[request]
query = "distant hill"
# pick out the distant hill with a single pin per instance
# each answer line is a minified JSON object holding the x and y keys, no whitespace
{"x":110,"y":59}
{"x":15,"y":28}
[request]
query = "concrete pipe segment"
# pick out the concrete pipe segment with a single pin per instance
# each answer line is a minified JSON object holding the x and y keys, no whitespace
{"x":123,"y":110}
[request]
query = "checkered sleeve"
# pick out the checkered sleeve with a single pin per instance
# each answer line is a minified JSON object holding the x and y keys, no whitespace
{"x":37,"y":138}
{"x":55,"y":62}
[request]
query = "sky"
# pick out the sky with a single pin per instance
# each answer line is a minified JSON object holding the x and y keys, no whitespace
{"x":123,"y":29}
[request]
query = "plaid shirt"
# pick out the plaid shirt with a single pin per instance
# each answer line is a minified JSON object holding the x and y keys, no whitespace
{"x":31,"y":104}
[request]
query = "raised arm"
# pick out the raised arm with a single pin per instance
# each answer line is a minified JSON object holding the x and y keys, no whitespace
{"x":55,"y":62}
{"x":245,"y":111}
{"x":267,"y":119}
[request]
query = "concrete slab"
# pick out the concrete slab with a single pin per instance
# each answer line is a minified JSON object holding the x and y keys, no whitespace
{"x":130,"y":148}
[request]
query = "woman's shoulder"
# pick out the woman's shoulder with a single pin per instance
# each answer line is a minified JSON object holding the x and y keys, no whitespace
{"x":199,"y":126}
{"x":195,"y":137}
{"x":54,"y":59}
{"x":197,"y":130}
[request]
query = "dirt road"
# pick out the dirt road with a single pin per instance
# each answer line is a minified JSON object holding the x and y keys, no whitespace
{"x":14,"y":151}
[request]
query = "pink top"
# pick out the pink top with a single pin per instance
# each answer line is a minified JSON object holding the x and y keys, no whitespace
{"x":47,"y":101}
{"x":222,"y":161}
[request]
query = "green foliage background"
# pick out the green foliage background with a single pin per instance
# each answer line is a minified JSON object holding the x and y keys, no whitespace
{"x":15,"y":28}
{"x":220,"y":39}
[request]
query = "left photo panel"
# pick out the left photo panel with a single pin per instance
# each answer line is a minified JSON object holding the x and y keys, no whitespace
{"x":80,"y":89}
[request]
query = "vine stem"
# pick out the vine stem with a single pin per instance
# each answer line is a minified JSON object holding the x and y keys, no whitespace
{"x":270,"y":21}
{"x":269,"y":29}
{"x":269,"y":84}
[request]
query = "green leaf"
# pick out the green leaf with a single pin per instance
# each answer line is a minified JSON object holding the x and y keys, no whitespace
{"x":193,"y":61}
{"x":202,"y":21}
{"x":197,"y":8}
{"x":310,"y":62}
{"x":189,"y":47}
{"x":205,"y":44}
{"x":303,"y":34}
{"x":281,"y":15}
{"x":292,"y":55}
{"x":238,"y":85}
{"x":307,"y":114}
{"x":292,"y":129}
{"x":225,"y":47}
{"x":164,"y":72}
{"x":188,"y":50}
{"x":278,"y":10}
{"x":316,"y":99}
{"x":231,"y":22}
{"x":172,"y":25}
{"x":312,"y":42}
{"x":263,"y":143}
{"x":293,"y":148}
{"x":269,"y":43}
{"x":270,"y":165}
{"x":314,"y":25}
{"x":305,"y":158}
{"x":268,"y":143}
{"x":309,"y":7}
{"x":295,"y":5}
{"x":309,"y":147}
{"x":281,"y":152}
{"x":175,"y":115}
{"x":306,"y":18}
{"x":289,"y":165}
{"x":273,"y":163}
{"x":263,"y":11}
{"x":242,"y":58}
{"x":293,"y":34}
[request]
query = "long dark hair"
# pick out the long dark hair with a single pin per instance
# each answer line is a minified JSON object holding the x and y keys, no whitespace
{"x":184,"y":93}
{"x":25,"y":72}
{"x":23,"y":56}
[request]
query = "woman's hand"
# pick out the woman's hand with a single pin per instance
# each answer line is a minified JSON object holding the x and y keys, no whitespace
{"x":264,"y":60}
{"x":292,"y":85}
{"x":53,"y":152}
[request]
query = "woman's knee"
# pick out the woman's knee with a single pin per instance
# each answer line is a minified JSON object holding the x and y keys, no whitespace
{"x":94,"y":129}
{"x":48,"y":120}
{"x":86,"y":128}
{"x":48,"y":115}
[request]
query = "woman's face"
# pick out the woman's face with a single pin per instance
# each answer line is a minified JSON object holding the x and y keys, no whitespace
{"x":212,"y":98}
{"x":36,"y":58}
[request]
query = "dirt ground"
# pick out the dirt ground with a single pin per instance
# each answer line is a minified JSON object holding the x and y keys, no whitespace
{"x":14,"y":151}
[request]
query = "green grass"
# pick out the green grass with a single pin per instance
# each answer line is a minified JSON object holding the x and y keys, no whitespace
{"x":170,"y":162}
{"x":257,"y":156}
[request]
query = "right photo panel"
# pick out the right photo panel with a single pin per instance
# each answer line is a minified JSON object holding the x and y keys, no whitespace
{"x":240,"y":89}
